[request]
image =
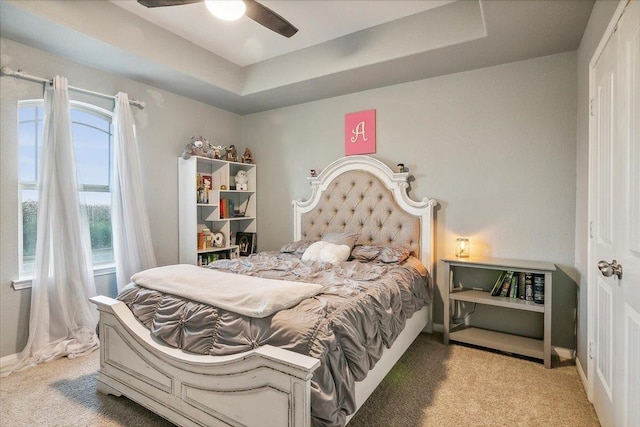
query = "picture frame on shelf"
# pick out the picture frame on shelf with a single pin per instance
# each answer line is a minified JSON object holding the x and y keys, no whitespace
{"x":245,"y":242}
{"x":204,"y":184}
{"x":207,"y":181}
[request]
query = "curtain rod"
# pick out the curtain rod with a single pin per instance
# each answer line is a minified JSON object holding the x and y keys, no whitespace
{"x":6,"y":71}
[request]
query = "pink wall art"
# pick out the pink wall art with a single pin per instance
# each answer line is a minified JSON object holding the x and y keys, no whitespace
{"x":360,"y":132}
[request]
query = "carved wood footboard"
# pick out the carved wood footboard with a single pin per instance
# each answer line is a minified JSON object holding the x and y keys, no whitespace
{"x":267,"y":386}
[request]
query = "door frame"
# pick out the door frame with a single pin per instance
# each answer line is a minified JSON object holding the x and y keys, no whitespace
{"x":591,"y":273}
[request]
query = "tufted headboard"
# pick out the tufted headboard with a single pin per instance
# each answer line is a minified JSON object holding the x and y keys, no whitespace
{"x":361,"y":194}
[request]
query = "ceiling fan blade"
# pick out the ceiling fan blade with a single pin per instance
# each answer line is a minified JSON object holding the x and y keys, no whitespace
{"x":255,"y":11}
{"x":162,"y":3}
{"x":268,"y":18}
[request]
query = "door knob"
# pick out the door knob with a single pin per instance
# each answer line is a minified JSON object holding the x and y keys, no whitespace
{"x":608,"y":270}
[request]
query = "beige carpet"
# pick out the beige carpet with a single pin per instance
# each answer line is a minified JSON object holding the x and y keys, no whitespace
{"x":432,"y":385}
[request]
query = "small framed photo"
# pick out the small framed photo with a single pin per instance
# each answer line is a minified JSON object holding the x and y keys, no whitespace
{"x":203,"y":187}
{"x":246,"y":243}
{"x":207,"y":182}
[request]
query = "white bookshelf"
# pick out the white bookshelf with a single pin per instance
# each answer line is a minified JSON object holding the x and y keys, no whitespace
{"x":193,"y":215}
{"x":535,"y":347}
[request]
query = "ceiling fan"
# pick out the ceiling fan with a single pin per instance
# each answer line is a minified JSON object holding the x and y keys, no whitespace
{"x":254,"y":10}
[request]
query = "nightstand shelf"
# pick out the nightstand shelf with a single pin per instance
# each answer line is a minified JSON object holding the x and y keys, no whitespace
{"x":484,"y":297}
{"x":509,"y":343}
{"x":480,"y":293}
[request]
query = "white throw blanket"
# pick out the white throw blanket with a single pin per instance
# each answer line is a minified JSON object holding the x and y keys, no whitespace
{"x":246,"y":295}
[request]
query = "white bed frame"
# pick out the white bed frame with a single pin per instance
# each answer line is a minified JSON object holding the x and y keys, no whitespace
{"x":267,"y":386}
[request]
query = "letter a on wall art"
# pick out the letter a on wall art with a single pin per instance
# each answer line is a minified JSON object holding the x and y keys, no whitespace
{"x":360,"y":132}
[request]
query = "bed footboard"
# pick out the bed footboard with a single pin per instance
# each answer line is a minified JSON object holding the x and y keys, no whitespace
{"x":265,"y":386}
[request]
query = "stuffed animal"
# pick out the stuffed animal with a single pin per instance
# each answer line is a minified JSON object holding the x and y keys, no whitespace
{"x":217,"y":149}
{"x":197,"y":147}
{"x":209,"y":149}
{"x":241,"y":179}
{"x":247,"y":157}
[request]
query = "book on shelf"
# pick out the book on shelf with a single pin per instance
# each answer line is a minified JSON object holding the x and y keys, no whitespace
{"x":519,"y":285}
{"x":513,"y":289}
{"x":538,"y":288}
{"x":506,"y":284}
{"x":497,"y":286}
{"x":206,"y":259}
{"x":528,"y":287}
{"x":226,"y":208}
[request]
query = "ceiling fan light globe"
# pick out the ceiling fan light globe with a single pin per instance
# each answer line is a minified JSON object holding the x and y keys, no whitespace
{"x":227,"y":10}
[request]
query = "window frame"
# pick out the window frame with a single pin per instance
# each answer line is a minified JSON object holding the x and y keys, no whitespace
{"x":99,"y":268}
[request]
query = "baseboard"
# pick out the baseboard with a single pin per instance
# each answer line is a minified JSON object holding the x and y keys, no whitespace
{"x":438,"y":327}
{"x":583,"y":377}
{"x":8,"y":360}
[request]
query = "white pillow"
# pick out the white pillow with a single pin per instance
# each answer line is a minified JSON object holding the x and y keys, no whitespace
{"x":326,"y":252}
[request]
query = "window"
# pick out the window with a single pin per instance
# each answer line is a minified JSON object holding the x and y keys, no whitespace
{"x":93,"y":139}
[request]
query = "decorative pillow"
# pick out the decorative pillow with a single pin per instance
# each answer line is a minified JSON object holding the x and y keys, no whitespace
{"x":386,"y":254}
{"x":326,"y":252}
{"x":392,"y":254}
{"x":365,"y":253}
{"x":297,"y":247}
{"x":348,"y":239}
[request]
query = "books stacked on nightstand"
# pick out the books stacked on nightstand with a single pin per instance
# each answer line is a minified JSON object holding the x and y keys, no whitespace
{"x":525,"y":286}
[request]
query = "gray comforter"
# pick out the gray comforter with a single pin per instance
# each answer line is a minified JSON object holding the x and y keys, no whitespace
{"x":360,"y":311}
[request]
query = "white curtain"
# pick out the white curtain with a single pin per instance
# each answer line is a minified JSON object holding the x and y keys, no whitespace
{"x":132,"y":246}
{"x":62,"y":320}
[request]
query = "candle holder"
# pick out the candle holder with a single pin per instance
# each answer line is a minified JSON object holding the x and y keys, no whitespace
{"x":462,"y":247}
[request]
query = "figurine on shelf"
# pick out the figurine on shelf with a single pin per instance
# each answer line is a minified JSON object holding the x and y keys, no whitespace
{"x":217,"y":150}
{"x":232,"y":154}
{"x":199,"y":187}
{"x":247,"y":157}
{"x":242,"y":180}
{"x":204,"y":238}
{"x":205,"y":191}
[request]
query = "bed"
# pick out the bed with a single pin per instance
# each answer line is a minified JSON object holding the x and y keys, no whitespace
{"x":255,"y":376}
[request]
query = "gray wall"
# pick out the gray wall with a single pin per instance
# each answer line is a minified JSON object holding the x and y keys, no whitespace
{"x":496,"y":147}
{"x":598,"y":21}
{"x":163,"y":128}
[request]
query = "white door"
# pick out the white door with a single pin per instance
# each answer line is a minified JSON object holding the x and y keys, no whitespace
{"x":615,"y":289}
{"x":606,"y":81}
{"x":628,"y":411}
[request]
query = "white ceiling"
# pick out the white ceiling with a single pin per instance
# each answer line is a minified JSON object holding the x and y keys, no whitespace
{"x":342,"y":46}
{"x":245,"y":42}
